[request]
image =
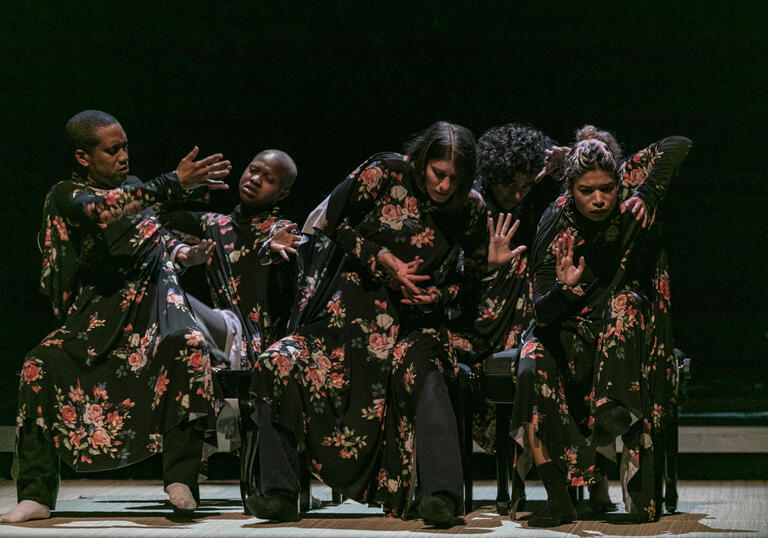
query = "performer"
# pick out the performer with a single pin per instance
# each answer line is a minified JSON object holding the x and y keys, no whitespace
{"x":588,"y":371}
{"x":128,"y":373}
{"x":251,"y":292}
{"x":361,"y":385}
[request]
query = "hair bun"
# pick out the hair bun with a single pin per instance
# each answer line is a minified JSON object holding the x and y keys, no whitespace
{"x":590,"y":132}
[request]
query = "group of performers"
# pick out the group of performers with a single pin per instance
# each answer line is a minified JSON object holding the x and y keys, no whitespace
{"x":351,"y":327}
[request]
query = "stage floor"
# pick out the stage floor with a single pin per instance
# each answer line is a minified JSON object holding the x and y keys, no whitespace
{"x":137,"y":508}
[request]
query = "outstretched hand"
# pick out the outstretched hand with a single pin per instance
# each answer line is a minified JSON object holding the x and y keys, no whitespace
{"x":500,"y":234}
{"x":206,"y":172}
{"x":284,"y":242}
{"x":195,"y":254}
{"x":553,"y":161}
{"x":566,"y":272}
{"x":637,"y":207}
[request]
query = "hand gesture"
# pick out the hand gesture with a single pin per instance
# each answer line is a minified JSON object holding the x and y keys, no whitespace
{"x":636,"y":206}
{"x":284,"y":242}
{"x":424,"y":298}
{"x":402,"y":276}
{"x":203,"y":173}
{"x":500,"y":234}
{"x":195,"y":254}
{"x":564,"y":268}
{"x":553,"y":161}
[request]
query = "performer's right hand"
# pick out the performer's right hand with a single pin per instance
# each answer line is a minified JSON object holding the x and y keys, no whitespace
{"x":206,"y":172}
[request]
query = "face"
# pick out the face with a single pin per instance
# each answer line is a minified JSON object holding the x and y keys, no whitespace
{"x":595,"y":194}
{"x":263,"y":182}
{"x":107,"y":163}
{"x":510,"y":195}
{"x":440,"y":180}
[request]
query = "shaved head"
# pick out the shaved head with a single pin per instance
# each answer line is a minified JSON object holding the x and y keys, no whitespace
{"x":289,"y":171}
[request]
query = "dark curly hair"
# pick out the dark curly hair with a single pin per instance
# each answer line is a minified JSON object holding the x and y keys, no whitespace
{"x":508,"y":150}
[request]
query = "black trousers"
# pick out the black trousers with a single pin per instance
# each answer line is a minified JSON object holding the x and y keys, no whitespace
{"x":438,"y":456}
{"x":38,"y":466}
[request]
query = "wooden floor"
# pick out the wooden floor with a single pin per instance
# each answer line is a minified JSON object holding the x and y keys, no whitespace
{"x":137,"y":508}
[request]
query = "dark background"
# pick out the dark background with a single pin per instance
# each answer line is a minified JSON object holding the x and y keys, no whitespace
{"x":332,"y":83}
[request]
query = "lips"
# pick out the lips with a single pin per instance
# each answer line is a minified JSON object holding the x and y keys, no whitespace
{"x":249,"y":190}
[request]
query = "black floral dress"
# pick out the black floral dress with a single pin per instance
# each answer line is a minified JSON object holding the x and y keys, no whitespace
{"x":243,"y":275}
{"x":505,"y":305}
{"x":129,"y":362}
{"x":347,"y":382}
{"x":608,"y":337}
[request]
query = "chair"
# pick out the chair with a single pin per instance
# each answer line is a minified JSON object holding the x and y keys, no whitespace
{"x":236,"y":384}
{"x":499,"y":388}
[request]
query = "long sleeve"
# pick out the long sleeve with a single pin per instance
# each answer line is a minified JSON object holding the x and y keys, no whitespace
{"x":357,"y":197}
{"x":106,"y":206}
{"x":552,"y":298}
{"x":648,"y":172}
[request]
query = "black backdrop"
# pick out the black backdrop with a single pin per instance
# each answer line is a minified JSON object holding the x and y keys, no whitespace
{"x":334,"y":82}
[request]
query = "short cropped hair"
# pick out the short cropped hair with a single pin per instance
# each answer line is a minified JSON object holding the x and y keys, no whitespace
{"x":443,"y":140}
{"x":80,"y":130}
{"x":286,"y":161}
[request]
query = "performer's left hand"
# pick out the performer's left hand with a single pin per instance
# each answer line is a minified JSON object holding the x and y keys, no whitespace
{"x":284,"y":242}
{"x":195,"y":254}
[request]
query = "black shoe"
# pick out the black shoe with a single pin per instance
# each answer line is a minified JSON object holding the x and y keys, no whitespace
{"x":439,"y":510}
{"x":273,"y":507}
{"x":611,"y":420}
{"x":553,"y":516}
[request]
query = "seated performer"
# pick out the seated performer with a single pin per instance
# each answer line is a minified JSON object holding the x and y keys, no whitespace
{"x":591,"y":368}
{"x":128,"y":373}
{"x":253,"y":296}
{"x":361,"y":385}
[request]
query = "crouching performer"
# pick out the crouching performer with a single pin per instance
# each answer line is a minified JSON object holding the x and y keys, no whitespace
{"x":128,"y":373}
{"x":589,"y":371}
{"x":360,"y":386}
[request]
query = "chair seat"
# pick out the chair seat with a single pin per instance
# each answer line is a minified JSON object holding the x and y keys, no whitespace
{"x":498,"y":382}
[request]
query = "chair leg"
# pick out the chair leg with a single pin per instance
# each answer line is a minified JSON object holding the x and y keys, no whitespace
{"x":517,"y":502}
{"x":502,"y":460}
{"x":467,"y":460}
{"x":249,"y":464}
{"x":305,"y":493}
{"x":671,"y":449}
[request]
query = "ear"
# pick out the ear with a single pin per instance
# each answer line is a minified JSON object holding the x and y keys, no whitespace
{"x":82,"y":157}
{"x":284,"y":194}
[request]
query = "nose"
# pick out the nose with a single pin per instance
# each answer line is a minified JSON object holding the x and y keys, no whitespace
{"x":123,"y":155}
{"x":256,"y":178}
{"x":444,"y":185}
{"x":599,"y":200}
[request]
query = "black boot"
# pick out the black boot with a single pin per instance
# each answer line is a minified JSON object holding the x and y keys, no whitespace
{"x":440,"y":510}
{"x":599,"y":499}
{"x":611,"y":420}
{"x":274,"y":507}
{"x":559,"y":508}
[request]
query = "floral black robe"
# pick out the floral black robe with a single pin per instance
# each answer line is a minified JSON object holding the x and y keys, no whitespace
{"x":608,"y":337}
{"x":347,"y":381}
{"x":129,"y":362}
{"x":505,"y":306}
{"x":243,"y":275}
